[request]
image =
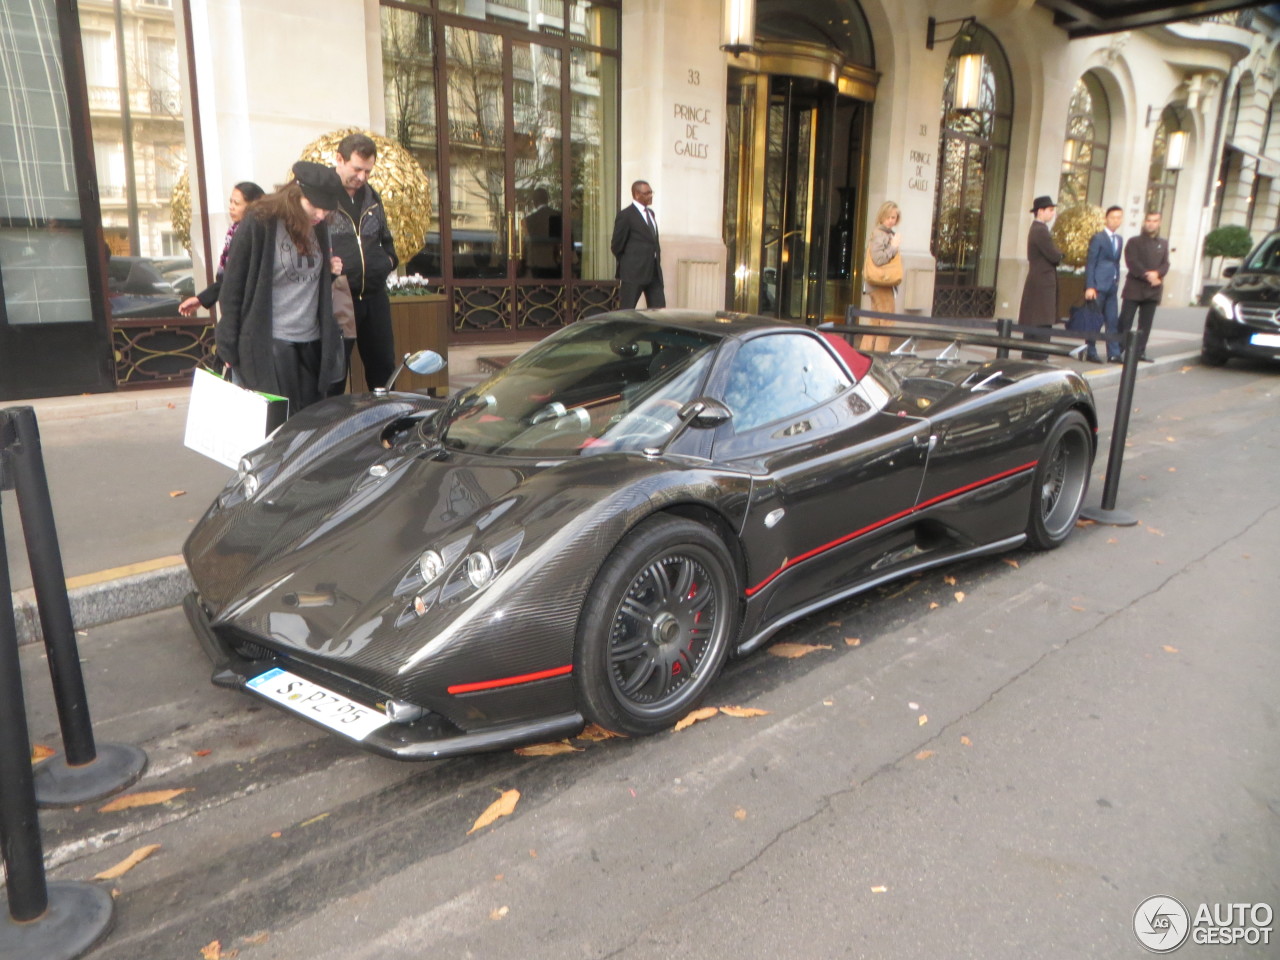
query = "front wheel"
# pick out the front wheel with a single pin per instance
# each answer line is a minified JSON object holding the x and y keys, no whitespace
{"x":656,"y":626}
{"x":1061,"y":478}
{"x":1212,"y":353}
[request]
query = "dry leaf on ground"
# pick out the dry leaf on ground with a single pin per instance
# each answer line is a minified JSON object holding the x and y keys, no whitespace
{"x":1112,"y":540}
{"x":1077,"y":608}
{"x":959,"y":596}
{"x":1158,"y":533}
{"x":703,"y":713}
{"x":315,"y":819}
{"x":1169,"y":649}
{"x":201,"y":753}
{"x":852,"y":641}
{"x":212,"y":951}
{"x":594,"y":732}
{"x":177,"y":493}
{"x":794,"y":650}
{"x":40,"y":752}
{"x":744,"y":712}
{"x":966,"y":741}
{"x":1082,"y":522}
{"x":128,"y":863}
{"x":148,"y":798}
{"x":257,"y":940}
{"x":548,"y":749}
{"x":1171,"y":440}
{"x":1011,"y":562}
{"x":504,"y":806}
{"x":949,"y":581}
{"x":499,"y":913}
{"x":879,"y":889}
{"x":924,"y":754}
{"x":933,"y":606}
{"x":923,"y":720}
{"x":739,"y":814}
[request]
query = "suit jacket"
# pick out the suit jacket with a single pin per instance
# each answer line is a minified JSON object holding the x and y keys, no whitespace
{"x":1102,"y":268}
{"x":636,"y":246}
{"x":1039,"y":306}
{"x":1143,"y":253}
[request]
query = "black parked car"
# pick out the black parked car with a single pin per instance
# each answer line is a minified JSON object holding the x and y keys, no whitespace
{"x":590,"y":533}
{"x":1244,"y":316}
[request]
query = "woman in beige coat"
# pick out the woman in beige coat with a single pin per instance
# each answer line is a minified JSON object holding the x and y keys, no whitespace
{"x":882,"y":247}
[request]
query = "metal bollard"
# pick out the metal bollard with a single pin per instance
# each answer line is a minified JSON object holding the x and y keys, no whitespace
{"x":1107,"y":512}
{"x":1004,"y":328}
{"x":84,"y":771}
{"x":52,"y":921}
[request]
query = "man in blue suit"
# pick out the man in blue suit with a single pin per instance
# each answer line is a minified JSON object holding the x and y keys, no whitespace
{"x":1102,"y":280}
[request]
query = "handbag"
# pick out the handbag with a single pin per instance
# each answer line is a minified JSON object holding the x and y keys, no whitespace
{"x":1085,"y":318}
{"x":344,"y":307}
{"x":890,"y":275}
{"x":225,"y":421}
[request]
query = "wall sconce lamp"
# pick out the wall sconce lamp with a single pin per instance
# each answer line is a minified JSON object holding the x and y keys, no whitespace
{"x":1068,"y":153}
{"x":738,"y":31}
{"x":968,"y":86}
{"x":931,"y":36}
{"x":1175,"y":154}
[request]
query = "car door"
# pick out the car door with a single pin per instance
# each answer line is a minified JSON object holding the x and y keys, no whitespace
{"x":830,"y":471}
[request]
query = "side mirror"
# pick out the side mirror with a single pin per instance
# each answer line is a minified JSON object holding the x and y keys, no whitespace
{"x":1229,"y":271}
{"x":705,"y":412}
{"x":424,"y":363}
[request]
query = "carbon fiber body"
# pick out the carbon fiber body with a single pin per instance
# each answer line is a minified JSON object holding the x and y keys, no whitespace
{"x":918,"y":463}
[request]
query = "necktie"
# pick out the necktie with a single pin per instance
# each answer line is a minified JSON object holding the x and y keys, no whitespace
{"x":652,"y":223}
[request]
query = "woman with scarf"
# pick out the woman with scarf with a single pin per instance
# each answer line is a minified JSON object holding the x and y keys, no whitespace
{"x":242,"y":194}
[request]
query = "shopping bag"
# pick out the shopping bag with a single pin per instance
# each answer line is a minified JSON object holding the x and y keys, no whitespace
{"x":1085,"y":318}
{"x":224,"y":422}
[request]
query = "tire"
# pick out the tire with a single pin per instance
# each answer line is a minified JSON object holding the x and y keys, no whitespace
{"x":1212,"y":353}
{"x":1060,"y":480}
{"x":656,"y":627}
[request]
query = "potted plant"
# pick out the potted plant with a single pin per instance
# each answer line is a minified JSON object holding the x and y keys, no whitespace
{"x":1072,"y":231}
{"x":1230,"y":241}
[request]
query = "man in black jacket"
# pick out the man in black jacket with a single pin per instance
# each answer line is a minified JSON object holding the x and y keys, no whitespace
{"x":635,"y":244}
{"x":362,"y":239}
{"x":1147,"y":257}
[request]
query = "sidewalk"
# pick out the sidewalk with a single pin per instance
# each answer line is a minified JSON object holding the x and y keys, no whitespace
{"x":126,"y":492}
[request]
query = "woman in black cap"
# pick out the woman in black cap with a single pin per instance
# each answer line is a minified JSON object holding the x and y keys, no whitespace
{"x":277,"y":329}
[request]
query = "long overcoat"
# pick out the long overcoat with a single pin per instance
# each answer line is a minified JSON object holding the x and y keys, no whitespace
{"x":1040,"y":293}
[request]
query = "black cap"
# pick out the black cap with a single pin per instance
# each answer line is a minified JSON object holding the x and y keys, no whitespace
{"x":320,"y":184}
{"x":1042,"y":203}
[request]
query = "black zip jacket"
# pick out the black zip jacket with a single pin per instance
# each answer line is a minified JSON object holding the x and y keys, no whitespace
{"x":369,"y":260}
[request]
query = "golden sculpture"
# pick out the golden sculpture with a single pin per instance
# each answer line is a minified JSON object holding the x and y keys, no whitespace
{"x":406,"y":194}
{"x":180,"y":209}
{"x":1073,"y":229}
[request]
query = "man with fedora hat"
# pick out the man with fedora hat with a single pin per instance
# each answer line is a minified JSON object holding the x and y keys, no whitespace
{"x":1039,"y":306}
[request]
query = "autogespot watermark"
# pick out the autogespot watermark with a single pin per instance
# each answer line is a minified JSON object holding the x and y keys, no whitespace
{"x":1162,"y":924}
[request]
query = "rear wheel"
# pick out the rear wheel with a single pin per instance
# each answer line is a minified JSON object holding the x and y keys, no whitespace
{"x":1061,"y":478}
{"x":656,"y":626}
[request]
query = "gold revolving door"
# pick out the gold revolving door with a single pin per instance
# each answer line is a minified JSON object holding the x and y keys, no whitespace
{"x":795,"y":170}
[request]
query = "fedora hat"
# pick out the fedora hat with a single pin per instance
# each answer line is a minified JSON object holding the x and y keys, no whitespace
{"x":1042,"y":203}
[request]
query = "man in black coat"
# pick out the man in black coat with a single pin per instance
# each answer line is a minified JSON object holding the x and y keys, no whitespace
{"x":1039,"y":306}
{"x":1147,"y":257}
{"x":362,"y":239}
{"x":635,"y":244}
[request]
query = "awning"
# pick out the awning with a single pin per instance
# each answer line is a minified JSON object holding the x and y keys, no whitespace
{"x":1090,"y":18}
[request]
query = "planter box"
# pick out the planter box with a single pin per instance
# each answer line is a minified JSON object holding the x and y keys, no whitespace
{"x":417,"y":323}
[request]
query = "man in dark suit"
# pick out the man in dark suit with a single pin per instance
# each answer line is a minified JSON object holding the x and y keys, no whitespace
{"x":1102,"y":279}
{"x":1147,"y":257}
{"x":635,"y":244}
{"x":1039,"y":307}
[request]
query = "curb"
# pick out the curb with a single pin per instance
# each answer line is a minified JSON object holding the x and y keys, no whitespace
{"x":102,"y":598}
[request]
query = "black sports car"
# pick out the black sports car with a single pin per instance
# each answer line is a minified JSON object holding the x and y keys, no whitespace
{"x":592,"y":531}
{"x":1244,"y":316}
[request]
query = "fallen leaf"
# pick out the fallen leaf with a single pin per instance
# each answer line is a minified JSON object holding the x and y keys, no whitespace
{"x":533,"y":853}
{"x":40,"y":752}
{"x":1077,"y":609}
{"x":594,"y":732}
{"x":201,"y":753}
{"x":1158,"y":533}
{"x":212,"y":951}
{"x":744,"y":712}
{"x":739,"y":814}
{"x":852,"y":641}
{"x":1173,"y":469}
{"x":499,"y":913}
{"x":177,"y":493}
{"x":879,"y":889}
{"x":794,"y":650}
{"x":834,"y":623}
{"x":1082,"y":522}
{"x":148,"y":798}
{"x":1185,"y":369}
{"x":257,"y":939}
{"x":923,"y":720}
{"x":828,"y":703}
{"x":959,"y":596}
{"x":949,"y":581}
{"x":504,"y":806}
{"x":924,"y":754}
{"x":1112,"y":540}
{"x":316,"y":819}
{"x":499,"y":876}
{"x":1171,"y":440}
{"x":1142,"y":476}
{"x":276,"y":835}
{"x":1169,"y":649}
{"x":912,"y":705}
{"x":965,"y":741}
{"x":933,"y":606}
{"x":171,"y":406}
{"x":1011,"y":562}
{"x":128,"y":863}
{"x":548,"y":749}
{"x":703,"y":713}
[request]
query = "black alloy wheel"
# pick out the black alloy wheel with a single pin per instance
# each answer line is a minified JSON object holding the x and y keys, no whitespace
{"x":1061,"y":478}
{"x":656,"y":626}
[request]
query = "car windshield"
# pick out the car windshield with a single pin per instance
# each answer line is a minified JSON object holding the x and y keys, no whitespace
{"x":1266,"y":255}
{"x":594,"y":387}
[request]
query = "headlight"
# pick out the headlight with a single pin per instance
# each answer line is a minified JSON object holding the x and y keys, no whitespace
{"x":479,"y":570}
{"x":430,"y":565}
{"x":248,"y":479}
{"x":1224,"y":306}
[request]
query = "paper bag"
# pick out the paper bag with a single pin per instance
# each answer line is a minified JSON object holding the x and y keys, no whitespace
{"x":224,"y":422}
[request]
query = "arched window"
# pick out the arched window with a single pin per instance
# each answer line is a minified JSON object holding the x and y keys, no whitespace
{"x":973,"y":160}
{"x":1084,"y":151}
{"x":834,"y":24}
{"x":1162,"y":178}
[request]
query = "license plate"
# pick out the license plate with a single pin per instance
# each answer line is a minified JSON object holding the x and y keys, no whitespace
{"x":1265,"y":339}
{"x":311,"y":700}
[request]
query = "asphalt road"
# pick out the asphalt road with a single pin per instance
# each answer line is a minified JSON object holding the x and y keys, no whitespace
{"x":1003,"y":766}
